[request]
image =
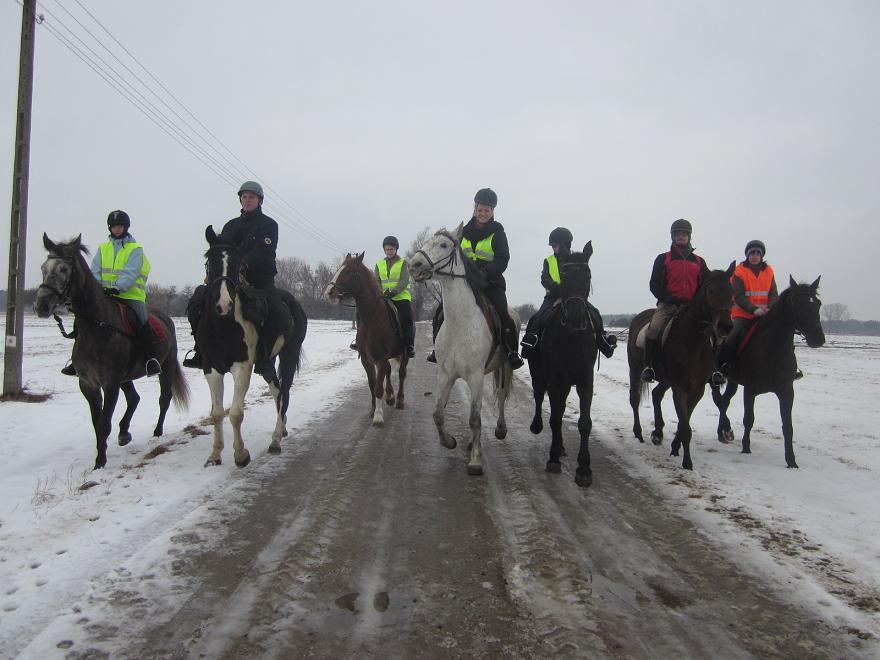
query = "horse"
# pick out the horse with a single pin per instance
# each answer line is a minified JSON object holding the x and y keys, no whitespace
{"x":227,"y":339}
{"x":377,"y":339}
{"x":107,"y":356}
{"x":686,"y":359}
{"x":566,"y":357}
{"x":766,"y":362}
{"x":465,"y":345}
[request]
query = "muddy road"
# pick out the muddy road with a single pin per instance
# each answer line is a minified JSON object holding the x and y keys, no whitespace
{"x":367,"y":541}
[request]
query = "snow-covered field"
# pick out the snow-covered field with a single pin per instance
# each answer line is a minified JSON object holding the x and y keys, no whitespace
{"x":814,"y":530}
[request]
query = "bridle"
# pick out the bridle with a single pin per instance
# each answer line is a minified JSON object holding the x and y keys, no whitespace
{"x":449,"y":261}
{"x":799,"y":325}
{"x":64,"y":294}
{"x":576,"y":297}
{"x":234,"y":281}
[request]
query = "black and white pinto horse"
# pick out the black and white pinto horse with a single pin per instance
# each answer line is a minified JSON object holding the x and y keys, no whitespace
{"x":228,"y":343}
{"x":465,"y":346}
{"x":766,"y":362}
{"x":106,"y":355}
{"x":566,"y":357}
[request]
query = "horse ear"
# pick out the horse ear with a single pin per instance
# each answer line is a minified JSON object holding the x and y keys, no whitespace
{"x":791,"y":281}
{"x":360,"y":258}
{"x":458,"y":231}
{"x":815,"y":285}
{"x":48,"y":244}
{"x":210,"y":236}
{"x":731,"y":268}
{"x":588,"y":250}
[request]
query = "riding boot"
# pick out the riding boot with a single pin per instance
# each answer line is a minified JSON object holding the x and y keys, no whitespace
{"x":432,"y":357}
{"x":650,"y":355}
{"x":69,"y":370}
{"x":145,"y":337}
{"x":508,"y":339}
{"x":194,"y":362}
{"x":353,"y":345}
{"x":726,"y":357}
{"x":529,"y":345}
{"x":409,"y":340}
{"x":194,"y":313}
{"x":604,"y":342}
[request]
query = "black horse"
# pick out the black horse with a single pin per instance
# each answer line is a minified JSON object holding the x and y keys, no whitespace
{"x":106,"y":354}
{"x":766,"y":362}
{"x":227,"y":337}
{"x":686,"y":359}
{"x":566,"y":357}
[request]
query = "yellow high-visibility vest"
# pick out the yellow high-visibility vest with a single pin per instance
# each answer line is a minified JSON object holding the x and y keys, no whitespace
{"x":388,"y":279}
{"x":483,"y":249}
{"x":112,"y":265}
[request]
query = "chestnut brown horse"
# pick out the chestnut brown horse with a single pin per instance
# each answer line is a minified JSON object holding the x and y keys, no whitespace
{"x":378,"y":334}
{"x":766,"y":362}
{"x":686,"y":359}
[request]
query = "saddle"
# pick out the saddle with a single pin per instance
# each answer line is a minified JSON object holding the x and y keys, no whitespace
{"x":126,"y":315}
{"x":393,"y":317}
{"x":664,"y":333}
{"x":254,"y":304}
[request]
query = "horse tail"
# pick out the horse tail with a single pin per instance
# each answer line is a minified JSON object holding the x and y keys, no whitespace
{"x":179,"y":387}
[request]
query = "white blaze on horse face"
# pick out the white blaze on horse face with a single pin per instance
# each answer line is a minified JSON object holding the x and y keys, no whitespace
{"x":224,"y":300}
{"x":328,"y":290}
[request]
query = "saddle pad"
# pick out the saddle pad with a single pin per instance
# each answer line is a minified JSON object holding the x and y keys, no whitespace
{"x":640,"y":338}
{"x":745,"y":340}
{"x":160,"y":333}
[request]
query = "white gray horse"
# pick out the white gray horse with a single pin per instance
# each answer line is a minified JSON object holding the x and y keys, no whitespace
{"x":465,"y":346}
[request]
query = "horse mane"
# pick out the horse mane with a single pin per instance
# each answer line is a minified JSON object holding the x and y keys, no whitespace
{"x":363,"y":270}
{"x":473,"y":275}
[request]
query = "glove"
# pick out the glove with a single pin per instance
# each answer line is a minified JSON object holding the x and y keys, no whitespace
{"x":759,"y":311}
{"x":387,"y":294}
{"x":111,"y":290}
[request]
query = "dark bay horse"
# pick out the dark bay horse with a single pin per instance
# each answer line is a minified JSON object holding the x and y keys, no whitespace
{"x":106,"y":354}
{"x":227,"y":337}
{"x":566,"y":357}
{"x":766,"y":362}
{"x":686,"y":359}
{"x":378,"y":341}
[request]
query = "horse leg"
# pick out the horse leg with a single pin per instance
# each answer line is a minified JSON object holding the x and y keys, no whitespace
{"x":786,"y":402}
{"x":376,"y":411}
{"x":748,"y":419}
{"x":635,"y":398}
{"x":444,"y":388}
{"x":131,"y":403}
{"x":722,"y":401}
{"x":166,"y":380}
{"x":475,"y":422}
{"x":657,"y":399}
{"x":111,"y":396}
{"x":95,"y":401}
{"x":215,"y":383}
{"x":401,"y":376}
{"x":278,"y":432}
{"x":241,"y":377}
{"x":538,"y":389}
{"x":503,"y":379}
{"x":683,"y":433}
{"x":389,"y":389}
{"x":558,"y":396}
{"x":584,"y":475}
{"x":378,"y":392}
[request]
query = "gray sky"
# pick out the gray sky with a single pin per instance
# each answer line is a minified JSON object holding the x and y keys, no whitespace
{"x":751,"y":119}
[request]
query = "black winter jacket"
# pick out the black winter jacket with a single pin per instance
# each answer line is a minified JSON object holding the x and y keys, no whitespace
{"x":256,"y":236}
{"x":494,"y":269}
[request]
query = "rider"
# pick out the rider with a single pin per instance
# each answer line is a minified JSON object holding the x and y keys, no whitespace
{"x":754,"y":292}
{"x":560,"y":240}
{"x":121,"y":267}
{"x":394,"y":281}
{"x":255,"y":236}
{"x":485,"y":242}
{"x":675,"y":278}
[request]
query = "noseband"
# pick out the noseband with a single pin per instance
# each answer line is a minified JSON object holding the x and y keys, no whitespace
{"x":449,"y":261}
{"x":64,"y":295}
{"x":234,"y":282}
{"x":575,"y":297}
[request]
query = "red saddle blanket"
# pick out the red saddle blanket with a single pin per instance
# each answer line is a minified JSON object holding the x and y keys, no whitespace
{"x":160,"y":332}
{"x":746,"y":339}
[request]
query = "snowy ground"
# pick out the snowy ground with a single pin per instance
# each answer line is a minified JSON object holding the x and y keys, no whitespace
{"x":814,"y":530}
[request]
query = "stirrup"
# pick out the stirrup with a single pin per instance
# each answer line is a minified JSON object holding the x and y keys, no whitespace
{"x":798,"y":374}
{"x":432,"y":357}
{"x":353,"y":345}
{"x":718,"y":379}
{"x":153,"y":367}
{"x":194,"y":362}
{"x":648,"y":374}
{"x":410,"y":352}
{"x":69,"y":370}
{"x":515,"y":360}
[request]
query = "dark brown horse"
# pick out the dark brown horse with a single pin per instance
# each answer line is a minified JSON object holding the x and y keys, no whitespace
{"x":686,"y":359}
{"x":378,"y":340}
{"x":106,"y":355}
{"x":766,"y":362}
{"x":566,"y":357}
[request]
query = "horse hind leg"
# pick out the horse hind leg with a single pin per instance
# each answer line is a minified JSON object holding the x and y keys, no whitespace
{"x":131,"y":403}
{"x":503,"y":381}
{"x":166,"y":379}
{"x":786,"y":402}
{"x":657,"y":395}
{"x":401,"y":377}
{"x":279,"y":431}
{"x":475,"y":422}
{"x":722,"y":402}
{"x":444,"y":388}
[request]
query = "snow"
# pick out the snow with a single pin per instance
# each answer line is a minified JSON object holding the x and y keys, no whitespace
{"x":813,"y":530}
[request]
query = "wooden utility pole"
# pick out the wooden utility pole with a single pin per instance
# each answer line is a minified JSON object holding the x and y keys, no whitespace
{"x":18,"y":221}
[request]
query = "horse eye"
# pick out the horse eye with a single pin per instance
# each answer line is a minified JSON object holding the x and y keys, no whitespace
{"x":443,"y":245}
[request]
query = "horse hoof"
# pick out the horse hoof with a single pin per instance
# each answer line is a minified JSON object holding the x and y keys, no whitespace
{"x":656,"y":439}
{"x":687,"y":466}
{"x":674,"y":452}
{"x":378,"y":422}
{"x":274,"y":449}
{"x":583,"y":480}
{"x":212,"y":463}
{"x":746,"y":451}
{"x":500,"y":433}
{"x":244,"y":461}
{"x":124,"y":439}
{"x":448,"y":441}
{"x":536,"y":426}
{"x":399,"y":405}
{"x":725,"y":436}
{"x":475,"y":470}
{"x":157,"y":432}
{"x":390,"y":401}
{"x":792,"y":465}
{"x":99,"y":465}
{"x":554,"y":467}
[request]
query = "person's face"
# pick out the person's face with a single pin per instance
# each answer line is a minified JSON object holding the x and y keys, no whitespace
{"x":390,"y":251}
{"x":755,"y":257}
{"x":483,"y":213}
{"x":117,"y":230}
{"x":556,"y":247}
{"x":249,"y":201}
{"x":681,"y":238}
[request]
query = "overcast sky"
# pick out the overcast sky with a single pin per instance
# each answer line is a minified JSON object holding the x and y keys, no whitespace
{"x":751,"y":119}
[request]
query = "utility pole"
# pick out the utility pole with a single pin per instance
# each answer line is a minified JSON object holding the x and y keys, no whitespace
{"x":18,"y":221}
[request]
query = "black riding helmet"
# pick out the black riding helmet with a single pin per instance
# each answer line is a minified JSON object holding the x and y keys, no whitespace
{"x":560,"y":235}
{"x":486,"y":196}
{"x":118,"y":218}
{"x":681,"y":225}
{"x":392,"y":241}
{"x":756,"y":245}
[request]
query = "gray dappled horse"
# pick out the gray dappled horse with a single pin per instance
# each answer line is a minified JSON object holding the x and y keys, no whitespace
{"x":466,"y":347}
{"x":566,"y":356}
{"x":766,"y":362}
{"x":106,"y":354}
{"x":685,"y":360}
{"x":377,"y":339}
{"x":228,"y":343}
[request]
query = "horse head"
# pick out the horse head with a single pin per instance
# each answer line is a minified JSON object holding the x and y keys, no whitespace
{"x":575,"y":279}
{"x":804,"y":305}
{"x":63,"y":275}
{"x":351,"y":278}
{"x":441,"y":255}
{"x":714,"y":299}
{"x":223,"y":267}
